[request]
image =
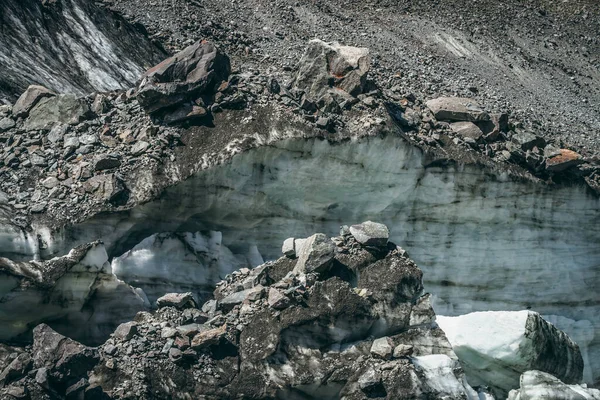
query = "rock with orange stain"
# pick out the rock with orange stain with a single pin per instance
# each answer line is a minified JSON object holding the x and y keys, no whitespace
{"x":562,"y":161}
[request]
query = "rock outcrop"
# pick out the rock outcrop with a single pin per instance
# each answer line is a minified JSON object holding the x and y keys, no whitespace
{"x":345,"y":331}
{"x":495,"y":347}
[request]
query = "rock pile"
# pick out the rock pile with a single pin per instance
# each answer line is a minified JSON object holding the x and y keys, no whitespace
{"x":358,"y":326}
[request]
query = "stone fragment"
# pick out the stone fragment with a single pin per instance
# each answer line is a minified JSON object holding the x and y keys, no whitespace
{"x":139,"y":148}
{"x":101,"y":105}
{"x":41,"y":377}
{"x":563,"y":161}
{"x":64,"y":358}
{"x":106,"y":162}
{"x":177,"y":300}
{"x":403,"y":350}
{"x":17,"y":392}
{"x":168,"y":332}
{"x":185,"y":76}
{"x":232,"y":300}
{"x":210,"y":307}
{"x":370,"y":384}
{"x":52,"y":111}
{"x":315,"y":255}
{"x":126,"y":331}
{"x":29,"y":99}
{"x":16,"y":369}
{"x":323,"y":123}
{"x":467,"y":129}
{"x":288,"y":249}
{"x":370,"y":234}
{"x":382,"y":348}
{"x":50,"y":182}
{"x":106,"y":188}
{"x":456,"y":109}
{"x":183,"y":113}
{"x":76,"y":390}
{"x":208,"y":338}
{"x":527,"y":140}
{"x":6,"y":124}
{"x":277,"y":299}
{"x":193,"y":315}
{"x":491,"y":129}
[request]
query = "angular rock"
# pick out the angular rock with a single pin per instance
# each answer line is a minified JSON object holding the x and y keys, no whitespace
{"x":139,"y":148}
{"x":467,"y":129}
{"x":126,"y":331}
{"x":6,"y":124}
{"x":208,"y":338}
{"x":457,"y":109}
{"x":277,"y":299}
{"x":106,"y":188}
{"x":288,"y":249}
{"x":382,"y":348}
{"x":527,"y":140}
{"x":177,"y":300}
{"x":186,"y":112}
{"x":316,"y":254}
{"x":563,"y":161}
{"x":16,"y":369}
{"x":536,"y":385}
{"x":193,"y":71}
{"x":64,"y":358}
{"x":371,"y":234}
{"x":29,"y":99}
{"x":496,"y":347}
{"x":403,"y":350}
{"x":325,"y":65}
{"x":232,"y":300}
{"x":51,"y":111}
{"x":492,"y":128}
{"x":105,"y":162}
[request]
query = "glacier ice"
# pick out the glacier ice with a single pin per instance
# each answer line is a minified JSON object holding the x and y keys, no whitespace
{"x":495,"y":347}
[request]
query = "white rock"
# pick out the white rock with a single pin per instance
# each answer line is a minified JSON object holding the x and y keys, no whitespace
{"x":382,"y":348}
{"x":288,"y":249}
{"x":495,"y":347}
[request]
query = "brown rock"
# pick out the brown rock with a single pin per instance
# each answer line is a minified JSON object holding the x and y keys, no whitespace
{"x":208,"y":338}
{"x":456,"y":109}
{"x":566,"y":159}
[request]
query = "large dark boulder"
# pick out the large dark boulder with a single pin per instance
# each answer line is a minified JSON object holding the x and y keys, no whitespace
{"x":192,"y":72}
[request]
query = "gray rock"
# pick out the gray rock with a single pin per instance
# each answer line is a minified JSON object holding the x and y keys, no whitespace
{"x":38,"y":207}
{"x":466,"y":130}
{"x":315,"y":255}
{"x":57,"y":133}
{"x":382,"y":348}
{"x":139,"y":148}
{"x":456,"y":109}
{"x":370,"y":233}
{"x":403,"y":350}
{"x":6,"y":124}
{"x":277,"y":299}
{"x":50,"y":182}
{"x":52,"y":111}
{"x":370,"y":383}
{"x":16,"y":369}
{"x":324,"y":65}
{"x":29,"y":99}
{"x":527,"y":140}
{"x":323,"y":123}
{"x":228,"y":302}
{"x":288,"y":249}
{"x":177,"y":300}
{"x":105,"y":162}
{"x":126,"y":331}
{"x":210,"y":307}
{"x":189,"y":73}
{"x":41,"y":377}
{"x":105,"y":188}
{"x":71,"y":141}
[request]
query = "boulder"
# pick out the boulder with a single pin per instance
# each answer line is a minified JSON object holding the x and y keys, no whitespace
{"x":52,"y":111}
{"x":64,"y":358}
{"x":277,"y":299}
{"x":208,"y":338}
{"x":371,"y":234}
{"x":6,"y":123}
{"x":536,"y":385}
{"x":457,"y":109}
{"x":315,"y":255}
{"x":496,"y":347}
{"x":563,"y":161}
{"x":186,"y":112}
{"x":527,"y":140}
{"x":192,"y":72}
{"x":467,"y":129}
{"x":177,"y":300}
{"x":29,"y":99}
{"x":325,"y":65}
{"x":16,"y":369}
{"x":492,"y":128}
{"x":126,"y":331}
{"x":288,"y":249}
{"x":382,"y":348}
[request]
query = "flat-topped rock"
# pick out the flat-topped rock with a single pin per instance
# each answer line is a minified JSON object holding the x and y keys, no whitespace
{"x":457,"y":109}
{"x":370,"y":233}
